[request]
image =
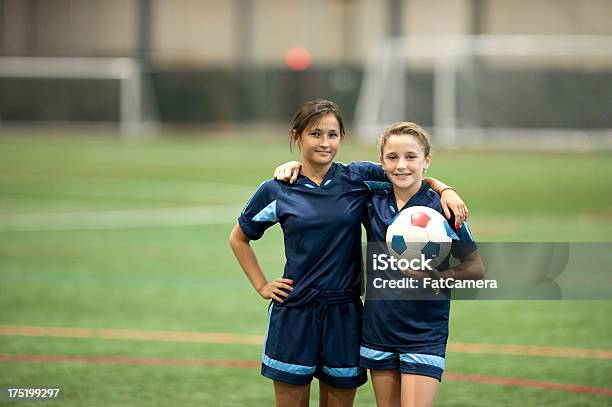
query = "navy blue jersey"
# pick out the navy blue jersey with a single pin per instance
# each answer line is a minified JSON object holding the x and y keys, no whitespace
{"x":408,"y":322}
{"x":321,"y":226}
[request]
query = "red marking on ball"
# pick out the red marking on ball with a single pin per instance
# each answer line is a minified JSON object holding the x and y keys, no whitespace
{"x":298,"y":59}
{"x":420,"y":219}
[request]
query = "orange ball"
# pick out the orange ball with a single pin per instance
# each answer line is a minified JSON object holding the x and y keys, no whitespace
{"x":298,"y":58}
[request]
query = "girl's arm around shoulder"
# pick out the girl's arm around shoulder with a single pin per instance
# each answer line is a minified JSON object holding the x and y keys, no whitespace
{"x":288,"y":172}
{"x":450,"y":201}
{"x":368,"y":170}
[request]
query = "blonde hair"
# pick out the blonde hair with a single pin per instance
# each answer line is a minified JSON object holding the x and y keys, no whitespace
{"x":408,"y":129}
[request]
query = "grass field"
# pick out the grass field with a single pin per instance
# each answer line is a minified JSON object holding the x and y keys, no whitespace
{"x":124,"y":240}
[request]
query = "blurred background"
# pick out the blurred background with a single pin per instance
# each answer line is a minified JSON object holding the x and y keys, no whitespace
{"x":132,"y":132}
{"x":464,"y":67}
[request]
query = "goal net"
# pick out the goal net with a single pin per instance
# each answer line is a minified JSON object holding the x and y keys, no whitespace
{"x":134,"y":101}
{"x":536,"y":92}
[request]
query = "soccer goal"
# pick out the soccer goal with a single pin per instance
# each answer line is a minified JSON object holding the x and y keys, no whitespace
{"x":537,"y":92}
{"x":137,"y":108}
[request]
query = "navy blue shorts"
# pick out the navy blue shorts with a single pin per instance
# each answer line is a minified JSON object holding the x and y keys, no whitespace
{"x":318,"y":339}
{"x":421,"y":360}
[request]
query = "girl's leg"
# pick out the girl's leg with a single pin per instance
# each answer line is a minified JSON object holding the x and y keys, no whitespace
{"x":387,"y":387}
{"x":290,"y":395}
{"x":330,"y":396}
{"x":418,"y":391}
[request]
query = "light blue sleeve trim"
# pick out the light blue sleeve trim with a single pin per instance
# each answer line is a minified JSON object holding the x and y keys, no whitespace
{"x":342,"y":371}
{"x":287,"y":367}
{"x":422,"y":359}
{"x":467,"y":229}
{"x":374,"y":354}
{"x":267,"y":214}
{"x":378,"y":185}
{"x":449,"y":231}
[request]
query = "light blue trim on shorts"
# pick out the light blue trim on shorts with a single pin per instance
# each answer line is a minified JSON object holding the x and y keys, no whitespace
{"x":287,"y":367}
{"x":342,"y":371}
{"x":268,"y":327}
{"x":423,"y":359}
{"x":374,"y":354}
{"x":277,"y":364}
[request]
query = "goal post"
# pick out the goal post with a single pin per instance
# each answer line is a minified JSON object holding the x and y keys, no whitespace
{"x":137,"y":113}
{"x":494,"y":91}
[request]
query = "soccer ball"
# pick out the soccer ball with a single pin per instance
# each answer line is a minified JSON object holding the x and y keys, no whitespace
{"x":419,"y":230}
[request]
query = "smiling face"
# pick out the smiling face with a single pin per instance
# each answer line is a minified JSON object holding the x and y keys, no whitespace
{"x":320,"y":140}
{"x":404,"y":161}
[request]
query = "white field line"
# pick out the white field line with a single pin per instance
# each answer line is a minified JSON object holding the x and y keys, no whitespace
{"x":109,"y":179}
{"x":133,"y":188}
{"x":121,"y":219}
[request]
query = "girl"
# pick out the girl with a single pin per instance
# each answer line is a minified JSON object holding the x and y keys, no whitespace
{"x":314,"y":319}
{"x":403,"y":342}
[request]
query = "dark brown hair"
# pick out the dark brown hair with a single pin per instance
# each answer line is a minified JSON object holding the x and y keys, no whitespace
{"x":311,"y":111}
